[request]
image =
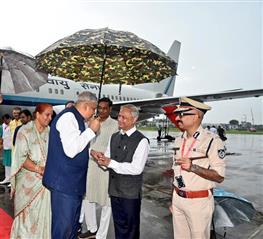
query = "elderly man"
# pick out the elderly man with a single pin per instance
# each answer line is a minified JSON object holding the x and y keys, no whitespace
{"x":198,"y":164}
{"x":67,"y":163}
{"x":125,"y":157}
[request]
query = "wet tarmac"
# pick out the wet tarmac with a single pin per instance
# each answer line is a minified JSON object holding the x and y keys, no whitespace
{"x":244,"y":177}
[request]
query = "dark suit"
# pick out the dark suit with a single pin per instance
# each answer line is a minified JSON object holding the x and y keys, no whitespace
{"x":65,"y":177}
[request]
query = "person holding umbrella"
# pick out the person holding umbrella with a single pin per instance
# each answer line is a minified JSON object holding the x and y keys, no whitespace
{"x":198,"y":164}
{"x":67,"y":163}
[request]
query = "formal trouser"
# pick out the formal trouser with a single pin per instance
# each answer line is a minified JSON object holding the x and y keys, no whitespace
{"x":192,"y":217}
{"x":65,"y":215}
{"x":89,"y":210}
{"x":126,"y":217}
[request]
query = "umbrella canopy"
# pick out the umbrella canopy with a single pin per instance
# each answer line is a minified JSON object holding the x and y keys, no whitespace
{"x":231,"y":210}
{"x":18,"y":73}
{"x":106,"y":56}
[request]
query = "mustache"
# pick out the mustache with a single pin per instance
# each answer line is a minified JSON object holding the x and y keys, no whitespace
{"x":178,"y":121}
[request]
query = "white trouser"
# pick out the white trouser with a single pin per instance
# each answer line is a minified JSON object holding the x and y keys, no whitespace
{"x":7,"y":172}
{"x":89,"y":210}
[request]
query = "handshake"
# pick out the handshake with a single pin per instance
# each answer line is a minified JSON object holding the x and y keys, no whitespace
{"x":101,"y":159}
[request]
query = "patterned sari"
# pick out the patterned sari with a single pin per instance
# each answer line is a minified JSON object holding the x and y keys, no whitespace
{"x":32,"y":209}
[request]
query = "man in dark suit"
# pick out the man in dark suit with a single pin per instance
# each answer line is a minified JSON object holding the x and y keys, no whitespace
{"x":67,"y":162}
{"x":125,"y":158}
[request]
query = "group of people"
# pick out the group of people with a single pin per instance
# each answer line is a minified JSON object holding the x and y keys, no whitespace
{"x":8,"y":132}
{"x":61,"y":173}
{"x":219,"y":130}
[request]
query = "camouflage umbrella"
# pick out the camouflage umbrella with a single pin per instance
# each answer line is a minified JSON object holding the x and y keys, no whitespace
{"x":18,"y":73}
{"x":106,"y":56}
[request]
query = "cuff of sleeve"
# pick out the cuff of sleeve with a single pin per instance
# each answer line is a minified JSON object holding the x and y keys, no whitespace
{"x":220,"y":171}
{"x":91,"y":132}
{"x":113,"y":164}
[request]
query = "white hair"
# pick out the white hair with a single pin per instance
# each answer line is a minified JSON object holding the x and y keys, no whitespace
{"x":134,"y":110}
{"x":86,"y":96}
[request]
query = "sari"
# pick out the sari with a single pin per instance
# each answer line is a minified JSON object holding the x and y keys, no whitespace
{"x":32,"y":207}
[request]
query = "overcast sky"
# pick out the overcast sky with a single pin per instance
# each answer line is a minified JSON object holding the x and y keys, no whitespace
{"x":221,"y":40}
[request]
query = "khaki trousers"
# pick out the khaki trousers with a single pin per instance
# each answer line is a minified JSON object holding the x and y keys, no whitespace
{"x":192,"y":217}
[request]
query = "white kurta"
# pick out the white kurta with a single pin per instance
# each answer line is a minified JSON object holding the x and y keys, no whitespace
{"x":98,"y":178}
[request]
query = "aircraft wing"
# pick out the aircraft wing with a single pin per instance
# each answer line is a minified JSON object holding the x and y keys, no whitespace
{"x":152,"y":107}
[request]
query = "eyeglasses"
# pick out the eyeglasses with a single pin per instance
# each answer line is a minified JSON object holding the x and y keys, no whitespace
{"x":181,"y":114}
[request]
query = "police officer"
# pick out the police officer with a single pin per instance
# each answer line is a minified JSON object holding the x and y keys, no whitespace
{"x":198,"y":164}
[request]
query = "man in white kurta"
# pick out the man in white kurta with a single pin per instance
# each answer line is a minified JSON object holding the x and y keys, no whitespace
{"x":98,"y":177}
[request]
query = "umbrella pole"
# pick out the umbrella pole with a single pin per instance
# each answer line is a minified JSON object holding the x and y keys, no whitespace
{"x":102,"y":71}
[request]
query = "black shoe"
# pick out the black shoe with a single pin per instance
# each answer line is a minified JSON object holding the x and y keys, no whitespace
{"x":88,"y":235}
{"x":80,"y":229}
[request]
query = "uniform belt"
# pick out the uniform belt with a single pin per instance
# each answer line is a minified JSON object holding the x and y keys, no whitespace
{"x":192,"y":194}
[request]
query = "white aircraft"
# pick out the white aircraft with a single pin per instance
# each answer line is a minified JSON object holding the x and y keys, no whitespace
{"x":151,"y":98}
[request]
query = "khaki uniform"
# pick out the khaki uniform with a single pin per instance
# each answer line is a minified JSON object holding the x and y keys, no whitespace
{"x":192,"y":216}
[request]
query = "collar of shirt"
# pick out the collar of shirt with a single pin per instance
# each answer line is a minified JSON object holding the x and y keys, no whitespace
{"x":128,"y":132}
{"x":198,"y":134}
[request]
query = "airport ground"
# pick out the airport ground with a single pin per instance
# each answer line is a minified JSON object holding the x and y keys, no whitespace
{"x":244,"y":178}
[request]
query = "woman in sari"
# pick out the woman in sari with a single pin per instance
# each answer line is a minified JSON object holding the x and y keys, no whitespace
{"x":32,"y":210}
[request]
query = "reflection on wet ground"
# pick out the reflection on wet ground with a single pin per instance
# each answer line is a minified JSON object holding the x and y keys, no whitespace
{"x":243,"y":177}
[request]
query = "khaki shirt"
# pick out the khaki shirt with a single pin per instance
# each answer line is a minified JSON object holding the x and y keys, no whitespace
{"x":207,"y":144}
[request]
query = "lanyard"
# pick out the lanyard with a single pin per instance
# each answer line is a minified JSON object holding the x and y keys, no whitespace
{"x":188,"y":151}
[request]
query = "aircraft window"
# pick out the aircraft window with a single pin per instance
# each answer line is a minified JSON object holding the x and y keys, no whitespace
{"x":124,"y":98}
{"x":37,"y":90}
{"x":116,"y":97}
{"x":120,"y":98}
{"x":104,"y":96}
{"x":49,"y":90}
{"x":56,"y":91}
{"x":112,"y":97}
{"x":128,"y":98}
{"x":62,"y":92}
{"x":108,"y":96}
{"x":77,"y":93}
